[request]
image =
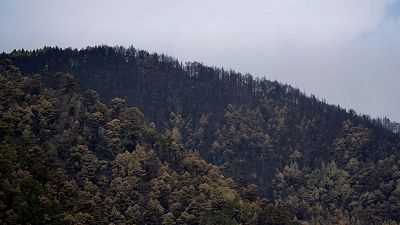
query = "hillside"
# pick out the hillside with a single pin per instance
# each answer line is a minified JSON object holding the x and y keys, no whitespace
{"x":67,"y":158}
{"x":325,"y":164}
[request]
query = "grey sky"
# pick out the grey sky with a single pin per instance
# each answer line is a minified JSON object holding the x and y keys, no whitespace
{"x":346,"y":51}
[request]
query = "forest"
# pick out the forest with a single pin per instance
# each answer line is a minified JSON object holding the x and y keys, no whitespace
{"x":114,"y":135}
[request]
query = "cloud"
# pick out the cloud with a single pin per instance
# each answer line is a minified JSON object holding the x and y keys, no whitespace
{"x":341,"y":50}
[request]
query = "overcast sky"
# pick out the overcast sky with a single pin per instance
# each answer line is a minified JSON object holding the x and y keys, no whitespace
{"x":346,"y":51}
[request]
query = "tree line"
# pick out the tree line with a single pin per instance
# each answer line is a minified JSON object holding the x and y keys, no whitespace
{"x":323,"y":163}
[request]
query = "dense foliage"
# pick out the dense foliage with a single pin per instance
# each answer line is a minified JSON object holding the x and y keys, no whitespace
{"x":324,"y":164}
{"x":67,"y":158}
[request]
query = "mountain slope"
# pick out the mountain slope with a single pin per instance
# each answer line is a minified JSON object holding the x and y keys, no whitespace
{"x":323,"y":163}
{"x":67,"y":158}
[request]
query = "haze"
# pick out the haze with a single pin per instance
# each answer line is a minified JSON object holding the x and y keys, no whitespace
{"x":347,"y":52}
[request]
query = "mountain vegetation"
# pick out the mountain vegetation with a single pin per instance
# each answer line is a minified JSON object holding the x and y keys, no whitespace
{"x":182,"y":144}
{"x":67,"y":158}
